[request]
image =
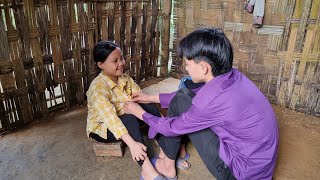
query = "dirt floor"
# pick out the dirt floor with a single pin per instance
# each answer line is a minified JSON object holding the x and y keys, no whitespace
{"x":58,"y":148}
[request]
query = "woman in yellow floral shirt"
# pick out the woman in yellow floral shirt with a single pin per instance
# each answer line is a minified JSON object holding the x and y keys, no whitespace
{"x":106,"y":120}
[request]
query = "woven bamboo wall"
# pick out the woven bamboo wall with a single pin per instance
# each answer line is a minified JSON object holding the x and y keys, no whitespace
{"x":282,"y":57}
{"x":46,"y":46}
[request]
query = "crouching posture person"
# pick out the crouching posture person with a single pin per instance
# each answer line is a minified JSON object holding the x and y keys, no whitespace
{"x":228,"y":120}
{"x":106,"y":120}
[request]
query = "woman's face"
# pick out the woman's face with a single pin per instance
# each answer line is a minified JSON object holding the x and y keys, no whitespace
{"x":114,"y":65}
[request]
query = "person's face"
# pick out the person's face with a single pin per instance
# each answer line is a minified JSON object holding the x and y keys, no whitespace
{"x":194,"y":70}
{"x":114,"y":65}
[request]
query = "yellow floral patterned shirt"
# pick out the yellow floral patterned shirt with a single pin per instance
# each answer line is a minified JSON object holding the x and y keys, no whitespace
{"x":105,"y":104}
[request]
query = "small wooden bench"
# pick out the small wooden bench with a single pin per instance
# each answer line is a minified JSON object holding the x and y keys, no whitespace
{"x":114,"y":149}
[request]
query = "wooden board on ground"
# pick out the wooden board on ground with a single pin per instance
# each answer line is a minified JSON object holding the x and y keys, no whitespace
{"x":109,"y":149}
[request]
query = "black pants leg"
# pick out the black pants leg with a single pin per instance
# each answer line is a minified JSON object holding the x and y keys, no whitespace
{"x":207,"y":145}
{"x":180,"y":103}
{"x":206,"y":141}
{"x":132,"y":125}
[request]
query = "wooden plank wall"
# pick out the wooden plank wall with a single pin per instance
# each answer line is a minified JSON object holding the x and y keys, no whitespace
{"x":282,"y":57}
{"x":46,"y":61}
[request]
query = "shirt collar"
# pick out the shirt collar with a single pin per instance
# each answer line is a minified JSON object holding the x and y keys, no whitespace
{"x":225,"y":80}
{"x":121,"y":80}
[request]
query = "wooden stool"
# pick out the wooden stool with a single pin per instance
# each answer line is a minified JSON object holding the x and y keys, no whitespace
{"x":109,"y":149}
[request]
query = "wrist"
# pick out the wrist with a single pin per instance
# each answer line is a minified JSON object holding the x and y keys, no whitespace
{"x":128,"y":140}
{"x":141,"y":113}
{"x":154,"y":99}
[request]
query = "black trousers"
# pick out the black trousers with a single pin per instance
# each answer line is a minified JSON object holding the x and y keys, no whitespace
{"x":132,"y":124}
{"x":170,"y":145}
{"x":205,"y":141}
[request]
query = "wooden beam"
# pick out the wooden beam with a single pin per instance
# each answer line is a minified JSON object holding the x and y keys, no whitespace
{"x":166,"y":16}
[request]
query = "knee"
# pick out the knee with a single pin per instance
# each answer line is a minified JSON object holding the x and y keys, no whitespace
{"x":183,"y":96}
{"x":185,"y":93}
{"x":181,"y":102}
{"x":151,"y":108}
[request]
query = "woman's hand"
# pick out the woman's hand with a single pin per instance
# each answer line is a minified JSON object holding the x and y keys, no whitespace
{"x":134,"y":109}
{"x":142,"y":97}
{"x":138,"y":151}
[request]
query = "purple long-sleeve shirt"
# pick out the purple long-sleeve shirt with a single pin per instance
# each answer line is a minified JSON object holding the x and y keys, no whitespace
{"x":241,"y":116}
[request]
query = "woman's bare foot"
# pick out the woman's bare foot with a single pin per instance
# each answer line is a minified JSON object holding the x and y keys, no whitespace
{"x":161,"y":154}
{"x":166,"y":167}
{"x":148,"y":172}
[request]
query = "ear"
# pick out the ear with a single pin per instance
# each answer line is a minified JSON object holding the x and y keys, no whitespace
{"x":99,"y":64}
{"x":204,"y":68}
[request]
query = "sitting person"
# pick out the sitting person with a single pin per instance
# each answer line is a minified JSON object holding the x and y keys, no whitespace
{"x":257,"y":8}
{"x":106,"y":121}
{"x":228,"y":120}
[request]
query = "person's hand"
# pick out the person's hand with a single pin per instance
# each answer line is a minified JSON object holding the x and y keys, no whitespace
{"x":138,"y":151}
{"x":133,"y":108}
{"x":141,"y":97}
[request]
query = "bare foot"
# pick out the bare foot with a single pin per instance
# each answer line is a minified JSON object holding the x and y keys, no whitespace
{"x":166,"y":167}
{"x":161,"y":154}
{"x":148,"y":172}
{"x":182,"y":164}
{"x":182,"y":151}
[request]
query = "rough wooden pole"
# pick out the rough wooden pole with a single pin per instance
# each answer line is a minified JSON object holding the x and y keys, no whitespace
{"x":166,"y":14}
{"x":92,"y":39}
{"x":21,"y":53}
{"x":4,"y":71}
{"x":286,"y":31}
{"x":37,"y":60}
{"x":303,"y":25}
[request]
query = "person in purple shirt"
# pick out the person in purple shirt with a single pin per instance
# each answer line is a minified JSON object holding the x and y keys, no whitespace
{"x":228,"y":120}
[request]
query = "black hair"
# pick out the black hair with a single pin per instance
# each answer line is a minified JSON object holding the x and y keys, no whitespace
{"x":210,"y":45}
{"x":102,"y":50}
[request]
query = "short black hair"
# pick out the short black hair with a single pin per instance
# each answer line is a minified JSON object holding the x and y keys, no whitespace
{"x":210,"y":45}
{"x":102,"y":50}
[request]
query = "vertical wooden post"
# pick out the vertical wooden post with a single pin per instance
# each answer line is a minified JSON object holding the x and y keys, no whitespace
{"x":166,"y":14}
{"x":117,"y":21}
{"x":133,"y":41}
{"x":122,"y":10}
{"x":4,"y":76}
{"x":20,"y":55}
{"x":303,"y":24}
{"x":153,"y":51}
{"x":157,"y":42}
{"x":92,"y":39}
{"x":138,"y":40}
{"x":111,"y":21}
{"x":148,"y":37}
{"x":144,"y":46}
{"x":39,"y":77}
{"x":68,"y":82}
